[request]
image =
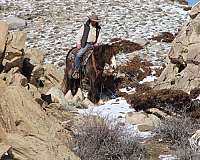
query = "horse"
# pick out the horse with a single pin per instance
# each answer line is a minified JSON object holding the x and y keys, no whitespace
{"x":93,"y":70}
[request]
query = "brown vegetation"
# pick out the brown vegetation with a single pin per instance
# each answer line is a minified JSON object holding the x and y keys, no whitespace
{"x":125,"y":45}
{"x":100,"y":139}
{"x":164,"y":37}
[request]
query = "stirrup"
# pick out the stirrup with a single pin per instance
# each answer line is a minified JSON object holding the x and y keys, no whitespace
{"x":75,"y":74}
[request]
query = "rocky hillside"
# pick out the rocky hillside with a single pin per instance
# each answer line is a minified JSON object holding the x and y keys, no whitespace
{"x":36,"y":118}
{"x":29,"y":130}
{"x":52,"y":25}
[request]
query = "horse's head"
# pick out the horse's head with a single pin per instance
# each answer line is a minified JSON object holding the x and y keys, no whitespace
{"x":105,"y":54}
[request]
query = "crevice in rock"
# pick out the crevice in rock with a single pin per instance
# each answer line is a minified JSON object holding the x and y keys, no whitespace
{"x":181,"y":67}
{"x":27,"y":68}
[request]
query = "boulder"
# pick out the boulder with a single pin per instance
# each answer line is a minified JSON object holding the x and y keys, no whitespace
{"x":4,"y":149}
{"x":15,"y":22}
{"x":141,"y":41}
{"x":15,"y":62}
{"x":87,"y":103}
{"x":195,"y":11}
{"x":69,"y":96}
{"x":58,"y":97}
{"x":52,"y":77}
{"x":37,"y":73}
{"x":183,"y":70}
{"x":3,"y":39}
{"x":144,"y":121}
{"x":35,"y":55}
{"x":33,"y":90}
{"x":19,"y":79}
{"x":16,"y":45}
{"x":2,"y":82}
{"x":29,"y":131}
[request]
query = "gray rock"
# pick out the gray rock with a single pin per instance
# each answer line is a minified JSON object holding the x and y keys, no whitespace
{"x":15,"y":22}
{"x":145,"y":121}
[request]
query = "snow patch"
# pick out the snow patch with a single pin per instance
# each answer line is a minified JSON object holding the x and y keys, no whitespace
{"x":128,"y":90}
{"x":117,"y":109}
{"x":150,"y":78}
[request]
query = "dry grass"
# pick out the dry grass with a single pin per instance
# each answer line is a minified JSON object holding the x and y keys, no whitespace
{"x":176,"y":132}
{"x":100,"y":139}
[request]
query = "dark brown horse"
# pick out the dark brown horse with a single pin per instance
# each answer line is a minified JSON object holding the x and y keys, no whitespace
{"x":93,"y":70}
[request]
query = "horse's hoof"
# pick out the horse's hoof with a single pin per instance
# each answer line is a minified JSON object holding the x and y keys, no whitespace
{"x":78,"y":96}
{"x":69,"y":96}
{"x":87,"y":103}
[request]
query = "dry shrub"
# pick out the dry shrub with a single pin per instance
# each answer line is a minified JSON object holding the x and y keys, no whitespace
{"x":177,"y":131}
{"x":100,"y":139}
{"x":126,"y":46}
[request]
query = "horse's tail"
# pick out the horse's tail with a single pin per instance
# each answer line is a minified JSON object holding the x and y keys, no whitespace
{"x":65,"y":82}
{"x":68,"y":82}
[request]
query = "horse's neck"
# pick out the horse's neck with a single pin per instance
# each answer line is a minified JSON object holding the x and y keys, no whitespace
{"x":99,"y":58}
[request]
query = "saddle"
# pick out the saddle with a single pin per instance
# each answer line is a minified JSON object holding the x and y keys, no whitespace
{"x":84,"y":60}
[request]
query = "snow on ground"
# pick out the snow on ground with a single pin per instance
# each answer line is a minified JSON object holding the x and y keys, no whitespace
{"x":52,"y":24}
{"x":127,"y":90}
{"x":167,"y":157}
{"x":150,"y":78}
{"x":116,"y":109}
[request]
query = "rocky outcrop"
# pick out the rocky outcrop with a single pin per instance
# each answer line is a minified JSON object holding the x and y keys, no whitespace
{"x":195,"y":11}
{"x":183,"y":70}
{"x":30,"y":128}
{"x":31,"y":133}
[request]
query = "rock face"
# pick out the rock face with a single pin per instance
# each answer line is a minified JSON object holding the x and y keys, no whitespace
{"x":3,"y":38}
{"x":31,"y":133}
{"x":183,"y":69}
{"x":28,"y":130}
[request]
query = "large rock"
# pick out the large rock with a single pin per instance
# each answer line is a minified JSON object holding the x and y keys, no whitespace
{"x":53,"y":76}
{"x":35,"y":55}
{"x":15,"y":22}
{"x":29,"y":131}
{"x":3,"y":39}
{"x":58,"y":97}
{"x":195,"y":11}
{"x":37,"y":73}
{"x":15,"y":62}
{"x":17,"y":79}
{"x":16,"y":45}
{"x":144,"y":121}
{"x":183,"y":69}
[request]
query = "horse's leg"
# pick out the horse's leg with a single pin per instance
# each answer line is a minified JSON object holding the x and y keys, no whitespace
{"x":93,"y":94}
{"x":74,"y":85}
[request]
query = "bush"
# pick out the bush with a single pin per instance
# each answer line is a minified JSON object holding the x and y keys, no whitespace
{"x":100,"y":139}
{"x":177,"y":132}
